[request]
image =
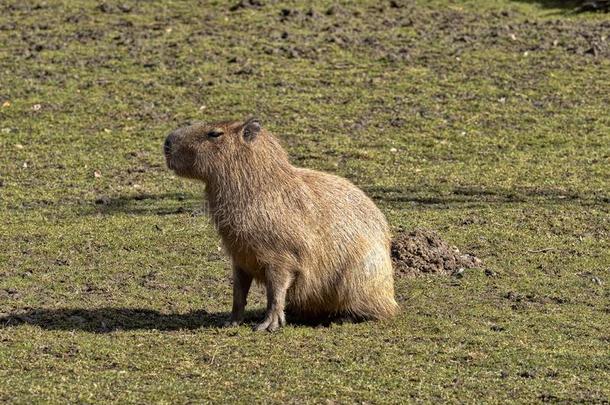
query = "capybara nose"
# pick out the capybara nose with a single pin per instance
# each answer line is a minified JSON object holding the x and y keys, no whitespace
{"x":167,"y":146}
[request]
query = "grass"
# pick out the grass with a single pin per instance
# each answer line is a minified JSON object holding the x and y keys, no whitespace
{"x":486,"y":121}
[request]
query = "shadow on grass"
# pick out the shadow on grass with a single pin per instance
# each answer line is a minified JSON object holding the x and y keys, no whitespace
{"x":106,"y":320}
{"x":570,"y":6}
{"x":477,"y":195}
{"x":147,"y":204}
{"x":177,"y":203}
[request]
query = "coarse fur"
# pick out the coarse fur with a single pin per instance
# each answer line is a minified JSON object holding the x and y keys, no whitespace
{"x":319,"y":245}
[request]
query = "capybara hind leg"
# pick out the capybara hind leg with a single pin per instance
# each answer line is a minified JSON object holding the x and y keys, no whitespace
{"x":277,"y":284}
{"x":241,"y":285}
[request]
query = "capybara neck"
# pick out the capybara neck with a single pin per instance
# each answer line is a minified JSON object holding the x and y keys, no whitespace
{"x":247,"y":180}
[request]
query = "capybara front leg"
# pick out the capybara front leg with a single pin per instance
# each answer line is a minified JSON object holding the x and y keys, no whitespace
{"x":241,"y":285}
{"x":277,"y":284}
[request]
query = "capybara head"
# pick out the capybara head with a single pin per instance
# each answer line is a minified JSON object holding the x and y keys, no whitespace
{"x":207,"y":151}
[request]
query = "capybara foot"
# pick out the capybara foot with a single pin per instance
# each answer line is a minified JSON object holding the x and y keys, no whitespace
{"x":272,"y":322}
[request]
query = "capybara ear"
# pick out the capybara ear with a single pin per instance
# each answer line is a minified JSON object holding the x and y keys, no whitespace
{"x":251,"y":128}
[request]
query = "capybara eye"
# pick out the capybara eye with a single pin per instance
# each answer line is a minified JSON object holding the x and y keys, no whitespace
{"x":215,"y":133}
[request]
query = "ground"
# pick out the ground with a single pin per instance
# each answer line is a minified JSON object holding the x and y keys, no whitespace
{"x":485,"y":121}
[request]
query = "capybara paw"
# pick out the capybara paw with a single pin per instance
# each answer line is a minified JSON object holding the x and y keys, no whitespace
{"x":265,"y":326}
{"x":271,"y":323}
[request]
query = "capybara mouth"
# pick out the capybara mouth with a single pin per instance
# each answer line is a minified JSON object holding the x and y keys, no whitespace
{"x":168,"y":159}
{"x":167,"y":151}
{"x":167,"y":146}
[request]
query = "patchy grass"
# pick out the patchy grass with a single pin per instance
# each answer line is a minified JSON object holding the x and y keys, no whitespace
{"x":486,"y":121}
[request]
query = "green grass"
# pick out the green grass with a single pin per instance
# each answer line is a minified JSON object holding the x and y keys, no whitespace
{"x":486,"y":121}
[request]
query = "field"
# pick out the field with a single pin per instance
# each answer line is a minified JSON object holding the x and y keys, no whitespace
{"x":485,"y":121}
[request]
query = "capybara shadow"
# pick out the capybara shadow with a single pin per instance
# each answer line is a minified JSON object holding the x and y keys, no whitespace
{"x":109,"y":319}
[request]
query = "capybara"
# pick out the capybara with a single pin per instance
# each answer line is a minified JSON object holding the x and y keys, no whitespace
{"x":319,"y":245}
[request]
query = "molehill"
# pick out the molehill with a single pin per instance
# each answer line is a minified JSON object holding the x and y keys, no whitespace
{"x":424,"y":252}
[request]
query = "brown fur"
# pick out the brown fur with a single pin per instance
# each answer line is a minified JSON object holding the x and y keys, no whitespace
{"x":315,"y":240}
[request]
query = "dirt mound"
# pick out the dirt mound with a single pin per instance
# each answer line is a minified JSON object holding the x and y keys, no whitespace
{"x":424,"y":252}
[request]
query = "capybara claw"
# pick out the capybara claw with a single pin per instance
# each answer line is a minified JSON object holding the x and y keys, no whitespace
{"x":271,"y":323}
{"x":260,"y":327}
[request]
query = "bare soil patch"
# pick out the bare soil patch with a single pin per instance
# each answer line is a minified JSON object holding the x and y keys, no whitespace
{"x":424,"y":252}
